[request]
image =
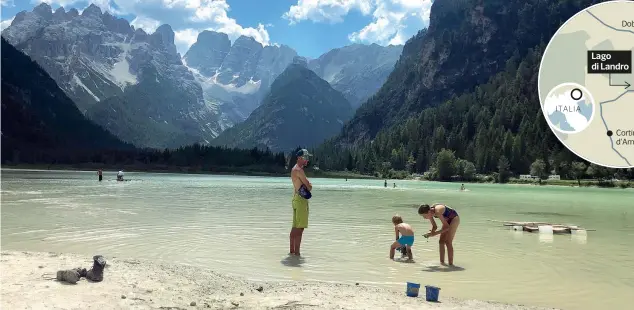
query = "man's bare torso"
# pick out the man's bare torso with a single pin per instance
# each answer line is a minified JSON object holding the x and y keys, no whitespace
{"x":295,"y":177}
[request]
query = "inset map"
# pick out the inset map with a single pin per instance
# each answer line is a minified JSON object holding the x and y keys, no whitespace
{"x":569,"y":108}
{"x":590,"y":58}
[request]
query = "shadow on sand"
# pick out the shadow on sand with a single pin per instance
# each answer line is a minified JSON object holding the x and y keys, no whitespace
{"x":293,"y":261}
{"x":443,"y":268}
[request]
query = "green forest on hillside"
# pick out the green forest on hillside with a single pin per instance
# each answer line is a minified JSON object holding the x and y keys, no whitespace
{"x":495,"y":128}
{"x":498,"y":129}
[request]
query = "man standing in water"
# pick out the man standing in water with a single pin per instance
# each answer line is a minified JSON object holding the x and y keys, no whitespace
{"x":301,"y":185}
{"x":100,"y":173}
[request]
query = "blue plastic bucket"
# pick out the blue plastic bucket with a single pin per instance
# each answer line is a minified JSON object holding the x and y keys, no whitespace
{"x":412,"y":289}
{"x":431,"y":293}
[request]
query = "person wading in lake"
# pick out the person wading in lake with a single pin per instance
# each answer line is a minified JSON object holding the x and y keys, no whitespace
{"x":100,"y":173}
{"x":450,"y":221}
{"x":301,"y":194}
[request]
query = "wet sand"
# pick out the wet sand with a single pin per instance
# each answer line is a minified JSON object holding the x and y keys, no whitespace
{"x":144,"y":284}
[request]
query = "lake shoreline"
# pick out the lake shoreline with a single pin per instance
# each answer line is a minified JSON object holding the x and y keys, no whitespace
{"x":321,"y":174}
{"x":147,"y":284}
{"x":181,"y":170}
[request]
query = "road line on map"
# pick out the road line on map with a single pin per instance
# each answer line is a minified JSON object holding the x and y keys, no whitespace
{"x":604,"y":24}
{"x":606,"y":124}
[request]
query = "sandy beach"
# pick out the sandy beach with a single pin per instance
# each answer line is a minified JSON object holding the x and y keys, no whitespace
{"x":138,"y":284}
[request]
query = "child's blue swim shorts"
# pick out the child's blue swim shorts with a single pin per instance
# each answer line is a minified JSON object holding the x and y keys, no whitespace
{"x":406,"y":240}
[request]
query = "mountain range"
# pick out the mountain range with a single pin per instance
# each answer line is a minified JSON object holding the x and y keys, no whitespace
{"x":137,"y":86}
{"x":38,"y":118}
{"x":301,"y":109}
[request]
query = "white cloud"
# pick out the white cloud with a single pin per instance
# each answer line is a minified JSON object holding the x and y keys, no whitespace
{"x":145,"y":23}
{"x":7,"y":3}
{"x":5,"y":23}
{"x":326,"y":10}
{"x":393,"y":21}
{"x":185,"y":38}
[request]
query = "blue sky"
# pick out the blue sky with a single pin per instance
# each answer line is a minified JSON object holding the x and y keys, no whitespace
{"x":311,"y":27}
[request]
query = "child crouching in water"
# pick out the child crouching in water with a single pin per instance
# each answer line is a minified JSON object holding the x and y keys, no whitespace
{"x":407,"y":237}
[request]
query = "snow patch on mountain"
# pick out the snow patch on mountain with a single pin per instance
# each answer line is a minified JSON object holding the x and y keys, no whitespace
{"x":79,"y":83}
{"x":120,"y":71}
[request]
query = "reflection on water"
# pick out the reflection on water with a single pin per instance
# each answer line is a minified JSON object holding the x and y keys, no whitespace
{"x":580,"y":237}
{"x":442,"y":268}
{"x":546,"y":238}
{"x":293,"y":261}
{"x":240,"y":226}
{"x":546,"y":213}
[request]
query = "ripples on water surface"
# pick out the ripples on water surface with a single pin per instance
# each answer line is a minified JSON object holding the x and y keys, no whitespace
{"x":240,"y":226}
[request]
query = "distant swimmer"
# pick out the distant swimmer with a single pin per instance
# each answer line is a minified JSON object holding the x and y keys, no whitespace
{"x":394,"y":185}
{"x":385,"y":184}
{"x":120,"y":175}
{"x":301,"y":194}
{"x":100,"y":173}
{"x":462,"y":187}
{"x":450,"y":221}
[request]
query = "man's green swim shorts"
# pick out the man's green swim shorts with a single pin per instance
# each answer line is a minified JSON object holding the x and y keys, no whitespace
{"x":300,"y":212}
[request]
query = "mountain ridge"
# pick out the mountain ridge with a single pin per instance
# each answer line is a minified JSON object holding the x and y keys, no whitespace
{"x":38,"y":117}
{"x":95,"y":57}
{"x":434,"y":66}
{"x":300,"y":109}
{"x":107,"y":67}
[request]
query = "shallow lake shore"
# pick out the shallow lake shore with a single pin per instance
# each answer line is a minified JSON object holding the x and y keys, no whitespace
{"x":185,"y":170}
{"x":145,"y":284}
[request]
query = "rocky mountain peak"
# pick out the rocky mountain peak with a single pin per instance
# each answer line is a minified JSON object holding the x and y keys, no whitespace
{"x":59,"y":14}
{"x":212,"y":38}
{"x":247,"y":41}
{"x":300,"y":61}
{"x":164,"y":37}
{"x":357,"y":70}
{"x":72,"y":13}
{"x":208,"y":53}
{"x":139,"y":35}
{"x":166,"y":33}
{"x":298,"y":98}
{"x":91,"y":10}
{"x":119,"y":25}
{"x":18,"y":18}
{"x":43,"y":10}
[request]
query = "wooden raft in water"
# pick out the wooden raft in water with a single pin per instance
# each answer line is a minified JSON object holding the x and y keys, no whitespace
{"x":534,"y":226}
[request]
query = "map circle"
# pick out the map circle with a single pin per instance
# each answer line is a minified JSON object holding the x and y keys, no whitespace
{"x":590,"y":58}
{"x":569,"y":108}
